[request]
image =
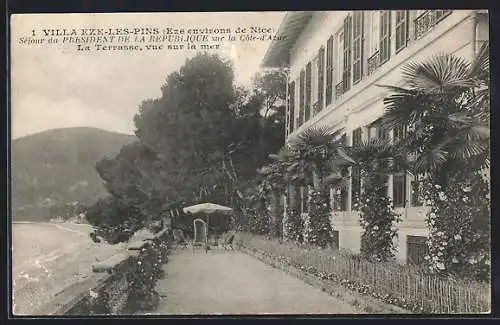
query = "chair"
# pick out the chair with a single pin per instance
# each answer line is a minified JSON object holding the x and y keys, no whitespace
{"x":200,"y":234}
{"x":228,"y":242}
{"x":179,"y":238}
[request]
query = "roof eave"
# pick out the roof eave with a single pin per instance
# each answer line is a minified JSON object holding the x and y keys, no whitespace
{"x":292,"y":25}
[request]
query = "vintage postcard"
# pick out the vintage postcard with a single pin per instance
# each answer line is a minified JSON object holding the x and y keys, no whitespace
{"x":229,"y":163}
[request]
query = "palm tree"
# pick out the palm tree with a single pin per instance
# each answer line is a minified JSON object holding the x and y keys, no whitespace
{"x":445,"y":105}
{"x":321,"y":154}
{"x":376,"y":159}
{"x":314,"y":160}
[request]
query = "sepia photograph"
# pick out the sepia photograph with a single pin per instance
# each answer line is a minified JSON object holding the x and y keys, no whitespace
{"x":250,"y":163}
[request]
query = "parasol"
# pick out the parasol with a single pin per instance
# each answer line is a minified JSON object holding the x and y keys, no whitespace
{"x":207,"y":209}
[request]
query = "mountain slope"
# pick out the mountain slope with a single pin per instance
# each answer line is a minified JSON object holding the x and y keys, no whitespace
{"x":56,"y":167}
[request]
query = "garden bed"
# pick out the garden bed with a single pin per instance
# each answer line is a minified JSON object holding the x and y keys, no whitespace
{"x":386,"y":287}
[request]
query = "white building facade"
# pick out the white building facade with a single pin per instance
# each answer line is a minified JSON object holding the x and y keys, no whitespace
{"x":336,"y":59}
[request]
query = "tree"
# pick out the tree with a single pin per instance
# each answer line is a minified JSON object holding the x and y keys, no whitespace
{"x":376,"y":159}
{"x":313,"y":160}
{"x":202,"y":140}
{"x":446,"y":108}
{"x":321,"y":154}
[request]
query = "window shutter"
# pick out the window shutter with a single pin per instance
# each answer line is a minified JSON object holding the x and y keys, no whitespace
{"x":321,"y":76}
{"x":402,"y":25}
{"x":291,"y":93}
{"x":301,"y":96}
{"x":385,"y":35}
{"x":357,"y":46}
{"x":356,"y":137}
{"x":308,"y":91}
{"x":346,"y":75}
{"x":329,"y":70}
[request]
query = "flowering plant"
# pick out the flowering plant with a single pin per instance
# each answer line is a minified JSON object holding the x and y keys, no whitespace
{"x":293,"y":225}
{"x":459,"y":226}
{"x":379,"y":222}
{"x":317,"y":226}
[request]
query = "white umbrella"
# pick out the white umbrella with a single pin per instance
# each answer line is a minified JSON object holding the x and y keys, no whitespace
{"x":207,"y":209}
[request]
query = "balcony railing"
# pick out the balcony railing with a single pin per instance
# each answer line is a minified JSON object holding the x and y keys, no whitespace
{"x":428,"y":20}
{"x":339,"y":89}
{"x":373,"y":62}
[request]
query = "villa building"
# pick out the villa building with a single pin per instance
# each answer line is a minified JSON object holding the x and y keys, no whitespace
{"x":335,"y":61}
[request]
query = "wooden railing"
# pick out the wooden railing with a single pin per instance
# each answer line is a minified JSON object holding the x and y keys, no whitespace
{"x":122,"y":284}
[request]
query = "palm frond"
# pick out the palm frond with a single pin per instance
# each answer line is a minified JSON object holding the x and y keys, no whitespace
{"x":315,"y":136}
{"x":345,"y":158}
{"x":404,"y":107}
{"x":480,"y":67}
{"x":438,"y":74}
{"x":430,"y":160}
{"x":465,"y":150}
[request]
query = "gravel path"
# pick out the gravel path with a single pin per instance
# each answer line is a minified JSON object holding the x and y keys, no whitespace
{"x":222,"y":282}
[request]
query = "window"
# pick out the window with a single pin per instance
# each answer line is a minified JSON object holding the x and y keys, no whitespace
{"x":399,"y":190}
{"x":339,"y":199}
{"x":401,"y":29}
{"x":385,"y":35}
{"x":374,"y":32}
{"x":308,"y":92}
{"x":301,"y":96}
{"x":357,"y":137}
{"x":329,"y":70}
{"x":297,"y":102}
{"x":373,"y":46}
{"x":416,"y":190}
{"x":382,"y":132}
{"x":303,"y":200}
{"x":321,"y":76}
{"x":339,"y":88}
{"x":346,"y":73}
{"x":416,"y":249}
{"x":314,"y":81}
{"x":415,"y":197}
{"x":399,"y":132}
{"x":357,"y":46}
{"x":335,"y":238}
{"x":291,"y":109}
{"x":355,"y":186}
{"x":441,"y":14}
{"x":376,"y":130}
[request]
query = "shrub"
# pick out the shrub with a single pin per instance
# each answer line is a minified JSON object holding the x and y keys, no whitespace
{"x":317,"y":227}
{"x":459,"y":223}
{"x":379,"y":222}
{"x":294,"y":225}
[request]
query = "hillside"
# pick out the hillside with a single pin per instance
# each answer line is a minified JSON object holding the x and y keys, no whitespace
{"x":57,"y":167}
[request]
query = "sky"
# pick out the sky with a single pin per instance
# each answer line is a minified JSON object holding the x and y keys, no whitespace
{"x":56,"y":86}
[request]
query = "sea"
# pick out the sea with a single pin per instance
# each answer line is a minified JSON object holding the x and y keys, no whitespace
{"x":48,"y":258}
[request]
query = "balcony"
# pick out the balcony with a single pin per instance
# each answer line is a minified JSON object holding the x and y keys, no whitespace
{"x":373,"y":62}
{"x":426,"y":21}
{"x":339,"y":89}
